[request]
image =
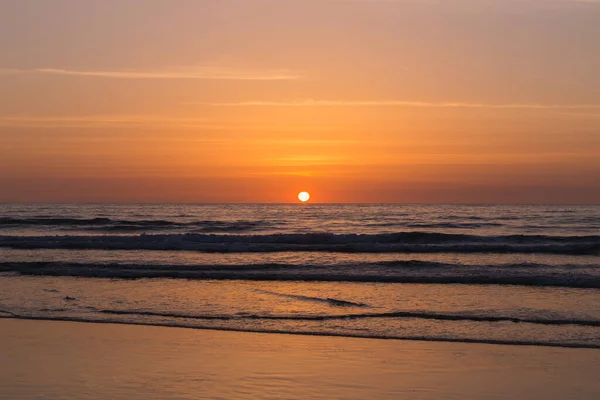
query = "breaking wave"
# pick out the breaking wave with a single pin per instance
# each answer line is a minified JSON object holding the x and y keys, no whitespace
{"x":402,"y":242}
{"x":412,"y":271}
{"x":116,"y":225}
{"x":394,"y":314}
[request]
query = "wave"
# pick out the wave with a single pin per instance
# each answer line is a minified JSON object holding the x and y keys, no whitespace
{"x":454,"y":225}
{"x":8,"y":221}
{"x":365,"y":335}
{"x":9,"y":313}
{"x":422,"y":272}
{"x":394,"y":314}
{"x":402,"y":242}
{"x":328,"y":300}
{"x":102,"y":224}
{"x":434,"y":225}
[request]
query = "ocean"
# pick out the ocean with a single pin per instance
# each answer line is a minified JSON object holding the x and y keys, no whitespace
{"x":505,"y":274}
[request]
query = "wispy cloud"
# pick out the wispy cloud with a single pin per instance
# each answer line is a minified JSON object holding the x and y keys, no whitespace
{"x":464,"y":1}
{"x":369,"y":103}
{"x":96,"y":121}
{"x":9,"y":71}
{"x":208,"y":73}
{"x":144,"y":122}
{"x":582,"y":114}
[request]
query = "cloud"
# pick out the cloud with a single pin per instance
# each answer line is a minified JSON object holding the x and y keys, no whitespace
{"x":386,"y":1}
{"x":8,"y":71}
{"x":393,"y":103}
{"x":141,"y":122}
{"x":582,"y":114}
{"x":206,"y":73}
{"x":95,"y":121}
{"x":472,"y":1}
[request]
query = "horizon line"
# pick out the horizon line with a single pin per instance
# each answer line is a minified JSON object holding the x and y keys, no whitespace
{"x":299,"y":203}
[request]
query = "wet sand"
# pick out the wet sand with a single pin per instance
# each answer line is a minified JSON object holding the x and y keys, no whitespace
{"x":67,"y":360}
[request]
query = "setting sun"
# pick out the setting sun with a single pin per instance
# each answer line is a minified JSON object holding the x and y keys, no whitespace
{"x":303,"y":196}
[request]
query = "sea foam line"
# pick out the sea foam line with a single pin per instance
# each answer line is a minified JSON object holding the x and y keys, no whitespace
{"x":385,"y":315}
{"x":313,"y":333}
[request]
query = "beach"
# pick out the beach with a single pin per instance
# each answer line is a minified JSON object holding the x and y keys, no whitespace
{"x":313,"y":302}
{"x":68,"y":360}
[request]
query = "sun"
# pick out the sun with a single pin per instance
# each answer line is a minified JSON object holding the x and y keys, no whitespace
{"x":303,"y":196}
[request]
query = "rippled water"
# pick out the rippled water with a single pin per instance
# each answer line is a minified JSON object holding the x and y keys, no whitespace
{"x":498,"y":274}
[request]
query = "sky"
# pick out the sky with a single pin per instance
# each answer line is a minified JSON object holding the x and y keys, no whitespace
{"x":375,"y":101}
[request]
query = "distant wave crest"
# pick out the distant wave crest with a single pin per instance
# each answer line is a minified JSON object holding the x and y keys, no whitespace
{"x":402,"y":242}
{"x":117,"y":225}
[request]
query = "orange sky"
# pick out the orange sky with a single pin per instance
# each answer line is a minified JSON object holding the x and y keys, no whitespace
{"x":477,"y":101}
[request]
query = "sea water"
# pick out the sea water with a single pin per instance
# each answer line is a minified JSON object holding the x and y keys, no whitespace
{"x":491,"y":274}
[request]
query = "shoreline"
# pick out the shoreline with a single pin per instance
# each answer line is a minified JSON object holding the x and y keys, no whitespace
{"x":13,"y":316}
